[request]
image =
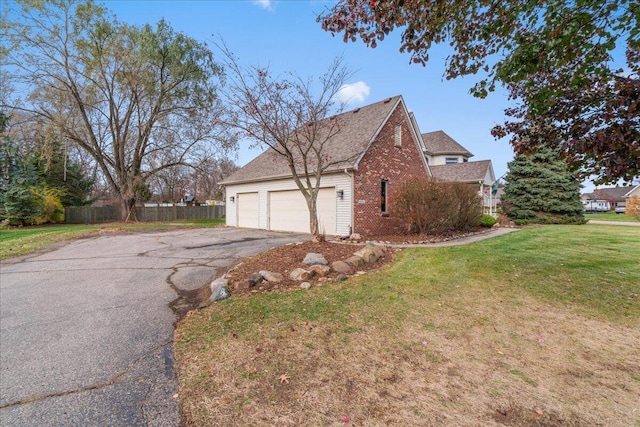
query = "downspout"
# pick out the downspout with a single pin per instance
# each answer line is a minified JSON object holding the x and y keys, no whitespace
{"x":346,"y":171}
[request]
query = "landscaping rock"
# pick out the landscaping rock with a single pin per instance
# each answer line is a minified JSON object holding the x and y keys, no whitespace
{"x":342,"y":267}
{"x":254,"y":279}
{"x":220,"y":294}
{"x":368,"y":254}
{"x":305,"y":285}
{"x":342,"y":278}
{"x":355,"y":261}
{"x":221,"y":281}
{"x":320,"y":270}
{"x":301,"y":274}
{"x":219,"y":289}
{"x":271,"y":277}
{"x":380,"y":245}
{"x":355,"y":236}
{"x":379,"y":250}
{"x":312,"y":259}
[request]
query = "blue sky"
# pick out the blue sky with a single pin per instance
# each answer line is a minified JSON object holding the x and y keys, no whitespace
{"x":285,"y":36}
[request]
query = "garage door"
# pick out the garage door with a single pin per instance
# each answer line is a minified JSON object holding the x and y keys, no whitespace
{"x":288,"y":211}
{"x":247,"y":207}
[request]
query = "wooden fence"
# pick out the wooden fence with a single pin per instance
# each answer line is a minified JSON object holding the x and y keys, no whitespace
{"x":94,"y":215}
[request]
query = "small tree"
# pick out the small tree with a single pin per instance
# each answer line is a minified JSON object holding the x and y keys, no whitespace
{"x":541,"y":190}
{"x":286,"y":114}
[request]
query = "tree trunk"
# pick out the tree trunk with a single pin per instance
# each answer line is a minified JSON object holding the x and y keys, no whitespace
{"x":314,"y":226}
{"x":128,"y":209}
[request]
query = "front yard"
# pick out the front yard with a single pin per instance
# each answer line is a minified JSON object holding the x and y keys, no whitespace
{"x":609,"y":216}
{"x":537,"y":327}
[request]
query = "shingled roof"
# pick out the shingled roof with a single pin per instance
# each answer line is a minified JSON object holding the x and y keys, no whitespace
{"x":358,"y":128}
{"x":439,"y":143}
{"x":614,"y":194}
{"x":462,"y":172}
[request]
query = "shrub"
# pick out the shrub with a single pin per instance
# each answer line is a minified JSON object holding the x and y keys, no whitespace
{"x":52,"y":209}
{"x":434,"y":207}
{"x":633,"y":207}
{"x":488,"y":221}
{"x":469,"y":205}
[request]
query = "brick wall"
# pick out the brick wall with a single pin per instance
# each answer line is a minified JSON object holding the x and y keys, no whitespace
{"x":385,"y":161}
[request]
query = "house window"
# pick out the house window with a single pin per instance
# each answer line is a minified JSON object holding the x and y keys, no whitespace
{"x":383,"y":197}
{"x":451,"y":160}
{"x":398,"y":136}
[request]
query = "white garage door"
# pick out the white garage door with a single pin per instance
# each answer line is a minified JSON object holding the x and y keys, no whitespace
{"x":288,"y":211}
{"x":247,"y":207}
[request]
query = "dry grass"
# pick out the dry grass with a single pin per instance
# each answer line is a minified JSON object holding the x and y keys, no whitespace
{"x":433,"y":340}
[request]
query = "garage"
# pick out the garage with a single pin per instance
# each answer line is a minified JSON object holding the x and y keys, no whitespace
{"x":288,"y":211}
{"x":248,"y":208}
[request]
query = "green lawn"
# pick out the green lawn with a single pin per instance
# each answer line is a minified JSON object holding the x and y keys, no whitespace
{"x":610,"y":216}
{"x":536,"y":327}
{"x":23,"y":240}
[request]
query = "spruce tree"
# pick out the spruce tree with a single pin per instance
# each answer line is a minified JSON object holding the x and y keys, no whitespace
{"x":541,"y":190}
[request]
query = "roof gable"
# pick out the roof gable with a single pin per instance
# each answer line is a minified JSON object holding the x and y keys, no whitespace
{"x":480,"y":171}
{"x":439,"y":143}
{"x":358,"y":129}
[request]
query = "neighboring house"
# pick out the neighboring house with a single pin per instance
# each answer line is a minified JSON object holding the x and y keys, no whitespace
{"x":635,"y":191}
{"x":441,"y":149}
{"x":378,"y":147}
{"x":613,"y":196}
{"x":479,"y":173}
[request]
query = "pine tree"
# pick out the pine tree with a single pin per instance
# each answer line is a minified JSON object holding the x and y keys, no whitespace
{"x":541,"y":190}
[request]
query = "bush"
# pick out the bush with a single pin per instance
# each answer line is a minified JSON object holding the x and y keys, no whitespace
{"x":488,"y":221}
{"x":434,"y":207}
{"x":52,"y":209}
{"x":633,"y":207}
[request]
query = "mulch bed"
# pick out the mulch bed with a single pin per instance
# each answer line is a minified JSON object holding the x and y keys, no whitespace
{"x":286,"y":258}
{"x":289,"y":257}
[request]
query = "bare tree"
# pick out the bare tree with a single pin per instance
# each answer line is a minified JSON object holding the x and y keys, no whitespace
{"x":289,"y":115}
{"x":122,"y":93}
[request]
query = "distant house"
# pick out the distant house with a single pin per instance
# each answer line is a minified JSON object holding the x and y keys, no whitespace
{"x":610,"y":197}
{"x":378,"y":147}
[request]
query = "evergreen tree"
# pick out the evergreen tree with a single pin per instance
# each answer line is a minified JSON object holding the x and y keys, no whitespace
{"x":19,"y":203}
{"x":541,"y":190}
{"x":67,"y":177}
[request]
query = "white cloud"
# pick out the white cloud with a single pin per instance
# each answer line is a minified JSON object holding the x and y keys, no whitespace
{"x":266,"y":4}
{"x":353,"y":93}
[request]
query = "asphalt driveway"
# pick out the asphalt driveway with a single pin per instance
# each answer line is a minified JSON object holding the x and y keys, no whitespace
{"x":86,"y":328}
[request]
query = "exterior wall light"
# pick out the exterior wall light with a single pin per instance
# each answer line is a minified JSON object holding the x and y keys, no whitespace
{"x":232,"y":199}
{"x":340,"y":194}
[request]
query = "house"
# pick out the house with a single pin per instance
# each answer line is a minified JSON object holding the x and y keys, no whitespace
{"x":441,"y":149}
{"x":604,"y":199}
{"x":478,"y":173}
{"x":377,"y":148}
{"x":449,"y":161}
{"x":635,"y":191}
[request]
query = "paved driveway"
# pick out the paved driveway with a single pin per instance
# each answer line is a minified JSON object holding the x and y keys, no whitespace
{"x":86,"y":329}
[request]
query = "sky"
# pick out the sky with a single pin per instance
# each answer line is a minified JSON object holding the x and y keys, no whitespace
{"x":285,"y":36}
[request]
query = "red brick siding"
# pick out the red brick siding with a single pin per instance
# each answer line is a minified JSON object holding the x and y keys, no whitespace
{"x":384,"y":161}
